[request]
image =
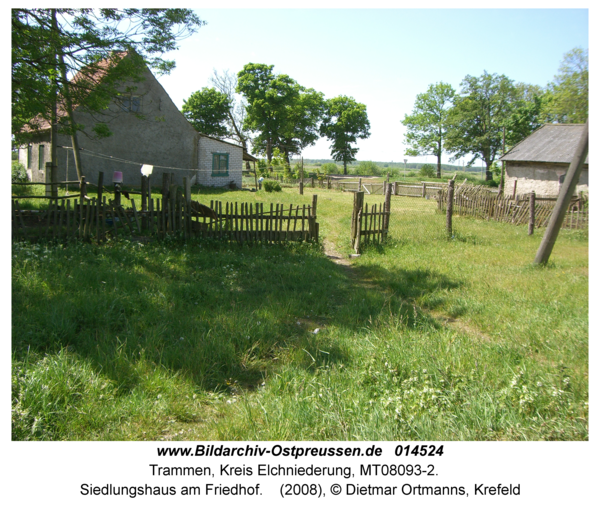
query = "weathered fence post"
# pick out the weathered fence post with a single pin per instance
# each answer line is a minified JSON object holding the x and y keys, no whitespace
{"x":82,"y":189}
{"x":387,"y":209}
{"x":531,"y":212}
{"x":165,"y":185}
{"x":359,"y":198}
{"x":52,"y":169}
{"x":144,"y":202}
{"x":359,"y":185}
{"x":449,"y":204}
{"x":100,"y":185}
{"x":424,"y":190}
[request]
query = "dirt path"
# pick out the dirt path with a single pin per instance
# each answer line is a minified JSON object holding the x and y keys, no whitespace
{"x":335,"y":256}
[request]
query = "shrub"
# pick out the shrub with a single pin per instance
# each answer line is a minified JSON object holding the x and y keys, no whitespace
{"x":330,"y":168}
{"x":411,"y":174}
{"x":18,"y":173}
{"x":271,"y":186}
{"x":368,"y":168}
{"x":427,"y":170}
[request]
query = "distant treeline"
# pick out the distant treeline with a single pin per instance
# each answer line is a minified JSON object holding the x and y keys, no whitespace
{"x":410,"y":166}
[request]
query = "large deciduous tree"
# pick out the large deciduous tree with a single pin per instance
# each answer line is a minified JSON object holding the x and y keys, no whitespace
{"x":301,"y":128}
{"x":282,"y":113}
{"x":477,"y":120}
{"x":427,"y":125}
{"x":208,"y":112}
{"x":345,"y":122}
{"x":66,"y":59}
{"x":268,"y":96}
{"x":567,"y":99}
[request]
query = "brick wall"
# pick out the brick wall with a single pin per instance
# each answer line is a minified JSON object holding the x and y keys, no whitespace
{"x":206,"y":148}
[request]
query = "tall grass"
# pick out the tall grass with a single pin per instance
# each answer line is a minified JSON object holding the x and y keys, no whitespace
{"x":423,"y":339}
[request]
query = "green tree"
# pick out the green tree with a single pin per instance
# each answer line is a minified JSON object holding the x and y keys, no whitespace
{"x":208,"y":111}
{"x":477,"y":120}
{"x":345,"y":121}
{"x":368,"y":168}
{"x":301,"y":128}
{"x":330,"y":168}
{"x":525,"y":115}
{"x":269,"y":96}
{"x":282,"y":113}
{"x":427,"y":125}
{"x":567,"y":98}
{"x":427,"y":170}
{"x":50,"y":46}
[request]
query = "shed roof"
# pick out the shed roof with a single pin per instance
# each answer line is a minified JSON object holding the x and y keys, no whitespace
{"x":550,"y":143}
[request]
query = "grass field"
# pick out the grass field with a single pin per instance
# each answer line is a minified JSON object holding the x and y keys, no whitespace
{"x":424,"y":338}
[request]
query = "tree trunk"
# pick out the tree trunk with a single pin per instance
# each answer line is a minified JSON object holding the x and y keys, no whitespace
{"x":69,"y":108}
{"x":269,"y":152}
{"x":54,"y":114}
{"x":345,"y":168}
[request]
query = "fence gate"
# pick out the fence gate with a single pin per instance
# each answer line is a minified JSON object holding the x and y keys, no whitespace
{"x":370,"y":224}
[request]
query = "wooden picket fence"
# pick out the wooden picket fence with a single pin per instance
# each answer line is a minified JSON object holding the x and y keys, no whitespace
{"x":370,"y":224}
{"x":174,"y":213}
{"x":480,"y":202}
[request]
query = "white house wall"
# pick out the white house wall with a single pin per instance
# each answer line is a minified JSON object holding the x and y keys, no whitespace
{"x":206,"y":148}
{"x":543,"y":178}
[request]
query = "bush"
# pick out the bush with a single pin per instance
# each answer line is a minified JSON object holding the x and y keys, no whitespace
{"x":330,"y":168}
{"x":368,"y":168}
{"x":271,"y":186}
{"x":19,"y":173}
{"x":427,"y":170}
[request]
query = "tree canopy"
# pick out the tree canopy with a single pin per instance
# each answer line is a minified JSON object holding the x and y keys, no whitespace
{"x":567,"y":100}
{"x":427,"y":125}
{"x":208,"y":112}
{"x":282,"y":113}
{"x":344,"y":122}
{"x":478,"y":117}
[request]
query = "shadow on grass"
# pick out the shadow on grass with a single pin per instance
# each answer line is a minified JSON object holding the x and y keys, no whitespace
{"x":215,"y":314}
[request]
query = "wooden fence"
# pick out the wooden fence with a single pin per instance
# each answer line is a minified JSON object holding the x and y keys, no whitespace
{"x":479,"y":202}
{"x":369,"y":224}
{"x":423,"y":190}
{"x":174,"y":213}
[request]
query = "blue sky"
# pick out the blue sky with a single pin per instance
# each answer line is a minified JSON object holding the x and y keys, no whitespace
{"x":381,"y":57}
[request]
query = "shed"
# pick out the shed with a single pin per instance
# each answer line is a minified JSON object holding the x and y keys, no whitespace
{"x":539,"y":162}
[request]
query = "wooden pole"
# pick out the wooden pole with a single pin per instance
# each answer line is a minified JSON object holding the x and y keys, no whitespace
{"x":387,"y":210}
{"x":301,"y":186}
{"x":564,"y":198}
{"x":359,"y":198}
{"x":100,"y":185}
{"x":144,"y":202}
{"x":449,"y":203}
{"x":531,"y":213}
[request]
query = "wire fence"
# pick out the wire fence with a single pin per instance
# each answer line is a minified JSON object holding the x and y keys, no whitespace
{"x":415,"y":219}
